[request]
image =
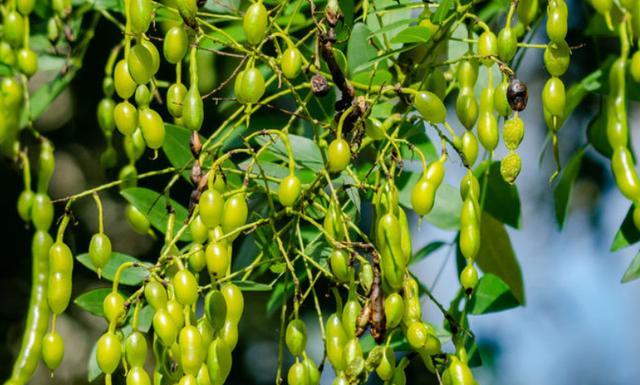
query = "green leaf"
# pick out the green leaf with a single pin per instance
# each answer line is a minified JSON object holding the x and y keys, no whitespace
{"x":91,"y":301}
{"x":628,"y":234}
{"x":359,"y":51}
{"x":379,"y":77}
{"x":597,"y":134}
{"x":93,"y":370}
{"x":5,"y":70}
{"x":443,"y":10}
{"x":414,"y":34}
{"x":40,"y":100}
{"x":496,"y":255}
{"x":341,"y":60}
{"x":427,"y":250}
{"x":305,"y":151}
{"x":502,"y":199}
{"x":562,"y":191}
{"x":416,"y":135}
{"x":280,"y":294}
{"x":132,"y":276}
{"x":446,"y":209}
{"x":633,"y":271}
{"x":252,"y":286}
{"x":398,"y":343}
{"x":492,"y":295}
{"x":145,"y":318}
{"x":154,"y":206}
{"x":391,"y":26}
{"x":176,"y":148}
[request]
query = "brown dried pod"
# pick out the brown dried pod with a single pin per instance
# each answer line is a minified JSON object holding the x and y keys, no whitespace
{"x":517,"y":94}
{"x":196,"y":172}
{"x":195,"y":145}
{"x":319,"y":85}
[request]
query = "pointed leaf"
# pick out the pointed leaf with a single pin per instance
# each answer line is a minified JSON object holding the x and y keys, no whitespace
{"x":496,"y":255}
{"x":426,"y":251}
{"x":502,"y":199}
{"x":562,"y":191}
{"x":359,"y":51}
{"x":628,"y":234}
{"x":633,"y":271}
{"x":131,"y":276}
{"x":154,"y":206}
{"x":91,"y":301}
{"x":492,"y":295}
{"x":414,"y":34}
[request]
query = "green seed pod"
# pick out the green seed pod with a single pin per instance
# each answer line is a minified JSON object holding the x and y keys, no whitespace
{"x":52,"y":350}
{"x":430,"y":107}
{"x":188,"y":10}
{"x":312,"y":371}
{"x":510,"y":167}
{"x":105,"y":115}
{"x":255,"y":22}
{"x":387,"y":365}
{"x":108,"y":352}
{"x":192,"y":350}
{"x":165,"y":327}
{"x":136,"y":349}
{"x":513,"y":132}
{"x":140,"y":64}
{"x":469,"y":278}
{"x":134,"y":145}
{"x":218,"y":361}
{"x":124,"y":83}
{"x":46,"y":165}
{"x":185,"y":287}
{"x":470,"y":147}
{"x":211,"y":205}
{"x":143,"y":96}
{"x":138,"y":221}
{"x":140,"y":13}
{"x":253,"y":85}
{"x":176,"y":43}
{"x":218,"y":258}
{"x":42,"y":212}
{"x":500,"y":101}
{"x":152,"y":128}
{"x":393,"y":309}
{"x":488,"y":131}
{"x":423,"y":196}
{"x":100,"y":249}
{"x":557,"y":57}
{"x":291,"y":63}
{"x":155,"y":294}
{"x":13,"y":28}
{"x":507,"y":44}
{"x":234,"y":301}
{"x":289,"y":190}
{"x":25,"y":200}
{"x":125,"y":117}
{"x":339,"y":263}
{"x":215,"y":308}
{"x":296,"y":337}
{"x":192,"y":109}
{"x":113,"y":306}
{"x":467,"y":109}
{"x":487,"y":46}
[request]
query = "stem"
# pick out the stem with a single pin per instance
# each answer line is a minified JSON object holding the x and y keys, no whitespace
{"x":99,"y":207}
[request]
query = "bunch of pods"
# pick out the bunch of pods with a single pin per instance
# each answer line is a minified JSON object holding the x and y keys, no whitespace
{"x":322,"y":192}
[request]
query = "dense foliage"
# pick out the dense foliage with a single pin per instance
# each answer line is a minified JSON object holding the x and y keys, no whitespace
{"x":327,"y":132}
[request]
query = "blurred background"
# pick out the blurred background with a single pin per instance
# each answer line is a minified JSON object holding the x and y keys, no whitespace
{"x":579,"y":324}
